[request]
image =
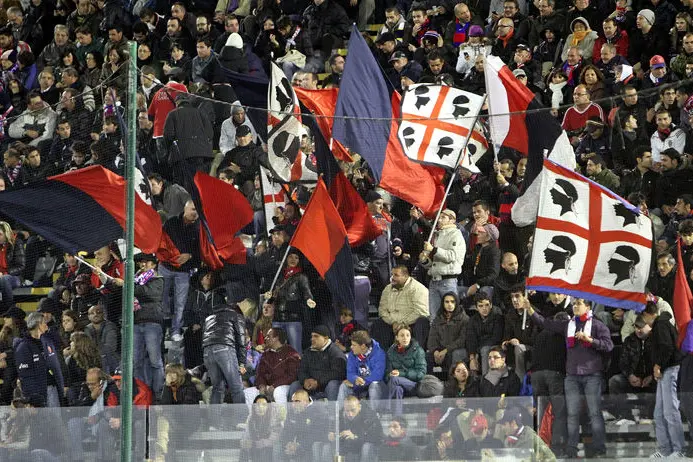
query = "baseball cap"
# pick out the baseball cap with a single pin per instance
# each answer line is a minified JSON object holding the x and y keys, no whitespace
{"x":397,"y":55}
{"x":519,"y":73}
{"x":386,"y":37}
{"x":523,"y":47}
{"x":657,"y":61}
{"x":478,"y":424}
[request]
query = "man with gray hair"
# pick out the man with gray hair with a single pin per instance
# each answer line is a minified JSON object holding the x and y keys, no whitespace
{"x":38,"y":364}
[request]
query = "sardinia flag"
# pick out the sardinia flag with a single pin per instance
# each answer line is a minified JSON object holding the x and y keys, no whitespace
{"x":322,"y":238}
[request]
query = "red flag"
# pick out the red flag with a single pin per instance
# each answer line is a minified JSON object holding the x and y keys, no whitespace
{"x":167,"y":251}
{"x":320,"y":234}
{"x":322,"y":103}
{"x":361,"y":227}
{"x":683,"y":298}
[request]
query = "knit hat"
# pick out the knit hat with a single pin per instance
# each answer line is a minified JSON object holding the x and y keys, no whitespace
{"x":449,"y":213}
{"x":648,"y":15}
{"x":478,"y":424}
{"x":512,"y":414}
{"x":657,"y":61}
{"x":475,"y":31}
{"x":14,"y":312}
{"x":413,"y":73}
{"x":520,"y":73}
{"x":243,"y":130}
{"x":492,"y":231}
{"x":235,"y":41}
{"x":48,"y":305}
{"x":386,"y":37}
{"x":372,"y":196}
{"x":321,"y":330}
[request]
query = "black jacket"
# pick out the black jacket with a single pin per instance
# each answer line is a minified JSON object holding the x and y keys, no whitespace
{"x":186,"y":237}
{"x":296,"y":288}
{"x":150,"y":296}
{"x":471,"y":390}
{"x":549,"y":352}
{"x":484,"y":332}
{"x":322,"y":366}
{"x":636,"y":357}
{"x":248,"y":158}
{"x":14,"y":257}
{"x":634,"y":181}
{"x":226,"y":326}
{"x":185,"y":394}
{"x":485,"y":272}
{"x":664,"y":351}
{"x":200,"y":304}
{"x":513,"y":328}
{"x":171,"y":201}
{"x":367,"y":428}
{"x":191,"y":130}
{"x":327,"y":18}
{"x":35,"y":358}
{"x":508,"y":385}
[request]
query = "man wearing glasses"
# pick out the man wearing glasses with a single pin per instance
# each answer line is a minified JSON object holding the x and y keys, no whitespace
{"x":506,"y":41}
{"x":576,"y":117}
{"x":499,"y":380}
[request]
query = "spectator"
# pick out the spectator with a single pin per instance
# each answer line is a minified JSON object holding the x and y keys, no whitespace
{"x":576,"y":117}
{"x":520,"y":435}
{"x":323,"y":366}
{"x":277,"y":370}
{"x":485,"y":331}
{"x":406,"y":366}
{"x":448,"y":335}
{"x":582,"y":37}
{"x":361,"y":432}
{"x":35,"y":125}
{"x":228,"y":139}
{"x":105,"y":334}
{"x":667,"y":360}
{"x":486,"y":263}
{"x":205,"y":295}
{"x":365,"y":370}
{"x":548,"y":18}
{"x":506,"y":41}
{"x":403,"y":302}
{"x":444,"y":261}
{"x":597,"y":172}
{"x":519,"y":333}
{"x":223,"y":342}
{"x":302,"y":437}
{"x":572,"y":67}
{"x":168,"y":199}
{"x":180,"y":387}
{"x":327,"y":25}
{"x":397,"y":444}
{"x":11,"y":268}
{"x":499,"y":380}
{"x":646,"y":42}
{"x":263,"y":429}
{"x":82,"y":356}
{"x":346,"y":326}
{"x":41,"y":380}
{"x":587,"y":340}
{"x":509,"y":276}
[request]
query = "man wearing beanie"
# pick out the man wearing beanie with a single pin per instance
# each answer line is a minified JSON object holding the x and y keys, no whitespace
{"x":646,"y":42}
{"x":443,"y":256}
{"x":381,"y":250}
{"x":323,"y":367}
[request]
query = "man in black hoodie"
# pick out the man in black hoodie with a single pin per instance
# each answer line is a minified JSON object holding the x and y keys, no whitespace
{"x":360,"y":431}
{"x":510,"y":275}
{"x":667,"y":360}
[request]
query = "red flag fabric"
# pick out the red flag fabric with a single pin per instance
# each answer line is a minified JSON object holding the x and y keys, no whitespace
{"x":322,"y":103}
{"x":108,"y":190}
{"x":167,"y":251}
{"x":420,"y":185}
{"x":683,"y":298}
{"x":225,"y":208}
{"x":320,"y":234}
{"x":361,"y":227}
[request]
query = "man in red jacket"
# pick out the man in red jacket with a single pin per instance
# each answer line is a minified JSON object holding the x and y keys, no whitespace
{"x":277,"y":370}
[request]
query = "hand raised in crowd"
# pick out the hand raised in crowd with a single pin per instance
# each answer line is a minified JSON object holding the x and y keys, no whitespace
{"x":311,"y":303}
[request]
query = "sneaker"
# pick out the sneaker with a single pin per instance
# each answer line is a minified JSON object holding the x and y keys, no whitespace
{"x":646,"y":422}
{"x":658,"y":455}
{"x":608,"y":415}
{"x":678,"y":455}
{"x":624,"y":422}
{"x":177,"y":338}
{"x":437,"y":369}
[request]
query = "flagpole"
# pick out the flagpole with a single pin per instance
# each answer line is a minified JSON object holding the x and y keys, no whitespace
{"x":279,"y":270}
{"x":454,"y":172}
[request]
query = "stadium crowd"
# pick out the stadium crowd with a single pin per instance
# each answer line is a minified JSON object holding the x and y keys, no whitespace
{"x":453,"y":316}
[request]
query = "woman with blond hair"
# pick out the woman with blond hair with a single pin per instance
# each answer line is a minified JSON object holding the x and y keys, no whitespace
{"x":11,"y":264}
{"x":181,"y":387}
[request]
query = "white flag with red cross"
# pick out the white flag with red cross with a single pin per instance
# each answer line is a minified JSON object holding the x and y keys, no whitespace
{"x":436,"y":120}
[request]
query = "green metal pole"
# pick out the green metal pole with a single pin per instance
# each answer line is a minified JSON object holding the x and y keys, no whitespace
{"x":129,"y":289}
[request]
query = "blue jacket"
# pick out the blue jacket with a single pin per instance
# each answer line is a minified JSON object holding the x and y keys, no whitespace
{"x":371,"y":368}
{"x":35,"y":359}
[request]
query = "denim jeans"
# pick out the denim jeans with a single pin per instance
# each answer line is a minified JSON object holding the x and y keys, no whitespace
{"x":259,"y":227}
{"x":149,"y":365}
{"x":436,"y":291}
{"x":181,"y":283}
{"x":7,"y":283}
{"x":331,"y":391}
{"x":222,"y":366}
{"x":375,"y":392}
{"x":589,"y":386}
{"x":294,"y":333}
{"x":399,"y":387}
{"x":668,"y":425}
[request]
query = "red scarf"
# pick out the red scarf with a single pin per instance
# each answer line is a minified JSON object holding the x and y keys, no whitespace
{"x":664,"y":134}
{"x":288,"y":272}
{"x":507,"y":38}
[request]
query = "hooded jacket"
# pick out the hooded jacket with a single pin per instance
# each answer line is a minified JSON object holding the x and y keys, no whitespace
{"x":150,"y":297}
{"x":447,"y":256}
{"x":233,"y":56}
{"x":200,"y":304}
{"x":448,"y":334}
{"x":370,"y":368}
{"x":665,"y":352}
{"x":586,"y":45}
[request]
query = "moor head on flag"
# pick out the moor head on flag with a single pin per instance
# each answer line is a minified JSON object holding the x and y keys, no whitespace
{"x":559,"y":252}
{"x":623,"y":263}
{"x":564,"y":194}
